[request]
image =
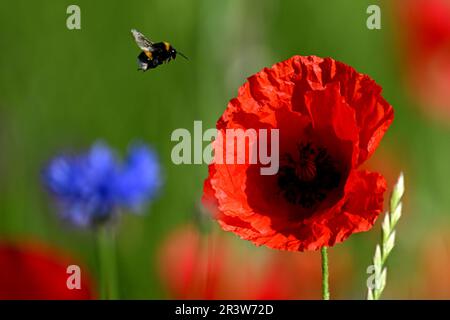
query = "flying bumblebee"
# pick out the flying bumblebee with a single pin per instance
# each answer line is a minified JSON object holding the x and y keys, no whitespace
{"x":153,"y":54}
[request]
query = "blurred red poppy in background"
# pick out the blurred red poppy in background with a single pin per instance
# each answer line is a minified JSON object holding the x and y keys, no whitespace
{"x":330,"y":120}
{"x":34,"y":271}
{"x":424,"y":27}
{"x":434,"y":264}
{"x":215,"y":266}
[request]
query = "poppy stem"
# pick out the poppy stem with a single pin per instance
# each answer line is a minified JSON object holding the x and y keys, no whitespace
{"x":325,"y":289}
{"x":107,"y":260}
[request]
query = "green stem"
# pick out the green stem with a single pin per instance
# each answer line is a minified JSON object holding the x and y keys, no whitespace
{"x":325,"y":289}
{"x":107,"y":260}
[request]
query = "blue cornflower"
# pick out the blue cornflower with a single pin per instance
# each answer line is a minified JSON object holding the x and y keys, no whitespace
{"x":91,"y":188}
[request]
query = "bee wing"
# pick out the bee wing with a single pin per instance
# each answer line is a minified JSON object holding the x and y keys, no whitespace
{"x":142,"y":42}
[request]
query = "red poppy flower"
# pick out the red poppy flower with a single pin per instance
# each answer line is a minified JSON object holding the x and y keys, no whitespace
{"x":330,"y":120}
{"x":30,"y":271}
{"x":196,"y":267}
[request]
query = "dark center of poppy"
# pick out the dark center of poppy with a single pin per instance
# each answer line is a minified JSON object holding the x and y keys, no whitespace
{"x":307,"y":177}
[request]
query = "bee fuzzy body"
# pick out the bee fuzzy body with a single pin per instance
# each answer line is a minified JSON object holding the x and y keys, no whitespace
{"x":153,"y":53}
{"x":151,"y":59}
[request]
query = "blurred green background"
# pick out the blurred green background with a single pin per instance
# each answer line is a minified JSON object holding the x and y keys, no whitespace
{"x":63,"y":88}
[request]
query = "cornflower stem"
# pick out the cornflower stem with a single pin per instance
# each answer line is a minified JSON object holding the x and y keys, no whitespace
{"x":325,"y":288}
{"x":108,"y":264}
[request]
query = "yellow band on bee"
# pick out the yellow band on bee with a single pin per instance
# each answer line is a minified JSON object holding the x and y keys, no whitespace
{"x":149,"y":54}
{"x":167,"y":46}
